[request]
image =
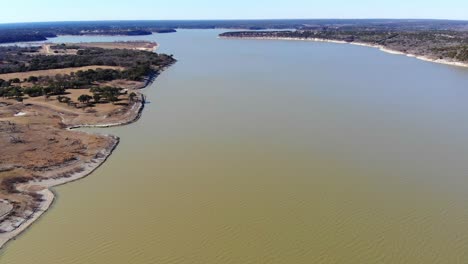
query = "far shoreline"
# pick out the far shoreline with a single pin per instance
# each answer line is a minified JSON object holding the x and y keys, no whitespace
{"x":380,"y":47}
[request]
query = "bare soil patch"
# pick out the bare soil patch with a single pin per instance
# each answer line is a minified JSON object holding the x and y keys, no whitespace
{"x":133,"y":45}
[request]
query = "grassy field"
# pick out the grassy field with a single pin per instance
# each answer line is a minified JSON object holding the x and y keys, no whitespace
{"x":132,"y":45}
{"x":53,"y":72}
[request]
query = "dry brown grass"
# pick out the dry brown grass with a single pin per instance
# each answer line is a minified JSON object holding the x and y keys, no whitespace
{"x":125,"y":84}
{"x":45,"y":150}
{"x":53,"y":72}
{"x":134,"y":45}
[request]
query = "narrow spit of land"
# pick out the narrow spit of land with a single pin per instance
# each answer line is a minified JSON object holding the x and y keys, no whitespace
{"x":44,"y":92}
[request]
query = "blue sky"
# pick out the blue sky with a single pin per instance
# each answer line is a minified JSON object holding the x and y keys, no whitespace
{"x":65,"y":10}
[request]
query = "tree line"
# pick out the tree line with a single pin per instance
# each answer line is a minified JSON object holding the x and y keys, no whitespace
{"x":19,"y":61}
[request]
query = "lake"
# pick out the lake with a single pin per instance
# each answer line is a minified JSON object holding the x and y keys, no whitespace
{"x":254,"y":151}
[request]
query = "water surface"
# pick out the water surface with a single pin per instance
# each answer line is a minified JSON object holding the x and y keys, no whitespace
{"x":274,"y":152}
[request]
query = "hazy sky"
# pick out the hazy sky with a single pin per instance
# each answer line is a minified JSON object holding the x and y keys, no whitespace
{"x":65,"y":10}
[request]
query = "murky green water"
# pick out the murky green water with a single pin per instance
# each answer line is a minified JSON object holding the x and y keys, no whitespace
{"x":274,"y":152}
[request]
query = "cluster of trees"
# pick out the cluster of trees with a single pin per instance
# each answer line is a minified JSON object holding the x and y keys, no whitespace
{"x":37,"y":90}
{"x":83,"y":79}
{"x":64,"y":46}
{"x":78,"y":80}
{"x":134,"y":60}
{"x":11,"y":92}
{"x":46,"y":85}
{"x":90,"y":76}
{"x":12,"y":36}
{"x":137,"y":64}
{"x":4,"y":83}
{"x":107,"y":94}
{"x":100,"y":95}
{"x":135,"y":73}
{"x":13,"y":58}
{"x":84,"y":98}
{"x":459,"y":53}
{"x":16,"y":92}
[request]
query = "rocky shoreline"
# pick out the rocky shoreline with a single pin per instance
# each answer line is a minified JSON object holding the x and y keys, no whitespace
{"x":12,"y":226}
{"x":48,"y":196}
{"x":380,"y":47}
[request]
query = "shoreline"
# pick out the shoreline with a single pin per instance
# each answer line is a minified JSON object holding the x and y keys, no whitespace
{"x":380,"y":47}
{"x":48,"y":194}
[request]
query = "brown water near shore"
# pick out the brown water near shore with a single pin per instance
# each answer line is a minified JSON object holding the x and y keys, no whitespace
{"x":274,"y":152}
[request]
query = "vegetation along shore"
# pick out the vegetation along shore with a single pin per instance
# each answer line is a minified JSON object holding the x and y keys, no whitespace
{"x":447,"y":47}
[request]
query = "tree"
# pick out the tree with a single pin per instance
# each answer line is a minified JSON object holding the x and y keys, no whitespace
{"x":46,"y":90}
{"x":111,"y":94}
{"x":33,"y":79}
{"x":132,"y":96}
{"x":34,"y":91}
{"x":84,"y":98}
{"x":14,"y":92}
{"x":55,"y":90}
{"x":97,"y":98}
{"x":112,"y":98}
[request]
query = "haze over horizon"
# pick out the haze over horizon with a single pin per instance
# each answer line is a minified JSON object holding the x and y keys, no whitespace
{"x":87,"y":10}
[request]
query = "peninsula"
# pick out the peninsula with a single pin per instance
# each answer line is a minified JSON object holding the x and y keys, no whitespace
{"x":45,"y":91}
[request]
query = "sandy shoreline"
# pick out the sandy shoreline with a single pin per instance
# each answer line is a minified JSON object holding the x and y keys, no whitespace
{"x":380,"y":47}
